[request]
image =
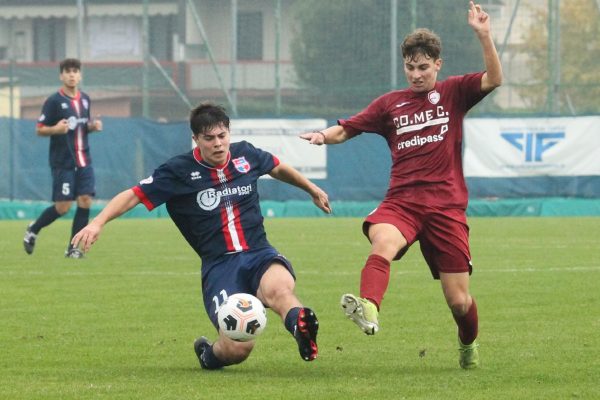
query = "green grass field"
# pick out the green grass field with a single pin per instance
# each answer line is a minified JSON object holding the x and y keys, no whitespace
{"x":120,"y":324}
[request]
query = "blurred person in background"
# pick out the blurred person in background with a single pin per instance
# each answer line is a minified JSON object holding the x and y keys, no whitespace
{"x":427,"y":196}
{"x":65,"y":118}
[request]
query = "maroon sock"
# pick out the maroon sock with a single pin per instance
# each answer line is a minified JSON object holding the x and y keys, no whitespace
{"x":468,"y":324}
{"x":374,"y":279}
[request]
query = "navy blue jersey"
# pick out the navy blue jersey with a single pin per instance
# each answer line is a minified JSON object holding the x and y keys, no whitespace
{"x":70,"y":150}
{"x":217,"y":210}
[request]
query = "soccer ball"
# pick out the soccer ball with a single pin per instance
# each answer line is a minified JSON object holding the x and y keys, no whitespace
{"x":242,"y":317}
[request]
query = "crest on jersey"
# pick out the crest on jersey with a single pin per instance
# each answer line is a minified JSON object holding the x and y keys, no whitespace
{"x":241,"y":164}
{"x":433,"y":96}
{"x":85,"y":103}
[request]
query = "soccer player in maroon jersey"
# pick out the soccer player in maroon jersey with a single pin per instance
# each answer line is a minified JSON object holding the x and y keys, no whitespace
{"x":211,"y":196}
{"x":427,"y":196}
{"x":65,"y":118}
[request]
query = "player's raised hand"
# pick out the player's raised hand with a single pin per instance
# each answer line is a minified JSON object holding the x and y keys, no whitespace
{"x":321,"y":200}
{"x":61,"y":127}
{"x":86,"y":237}
{"x":478,"y":19}
{"x":314,"y":137}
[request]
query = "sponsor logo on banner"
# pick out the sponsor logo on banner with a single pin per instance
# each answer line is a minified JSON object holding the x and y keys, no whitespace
{"x":533,"y":145}
{"x":241,"y":164}
{"x":525,"y":147}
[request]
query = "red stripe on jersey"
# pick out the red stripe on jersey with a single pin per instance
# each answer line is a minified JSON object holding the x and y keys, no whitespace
{"x":79,"y":151}
{"x":225,"y":230}
{"x":223,"y":211}
{"x":276,"y":161}
{"x":238,"y":228}
{"x":142,"y":196}
{"x":236,"y":213}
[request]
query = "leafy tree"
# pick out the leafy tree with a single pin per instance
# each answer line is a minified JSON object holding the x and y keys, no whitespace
{"x":579,"y":56}
{"x":341,"y":48}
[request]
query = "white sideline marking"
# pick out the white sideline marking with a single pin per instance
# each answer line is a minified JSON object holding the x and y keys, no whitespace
{"x":321,"y":273}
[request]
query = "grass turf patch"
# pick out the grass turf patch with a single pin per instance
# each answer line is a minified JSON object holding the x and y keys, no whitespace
{"x":120,"y":323}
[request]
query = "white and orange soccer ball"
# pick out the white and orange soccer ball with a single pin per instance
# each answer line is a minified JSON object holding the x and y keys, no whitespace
{"x":242,"y":317}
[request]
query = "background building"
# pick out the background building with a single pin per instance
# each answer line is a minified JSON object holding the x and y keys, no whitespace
{"x":288,"y":57}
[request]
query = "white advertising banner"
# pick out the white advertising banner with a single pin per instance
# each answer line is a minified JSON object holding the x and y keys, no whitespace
{"x":520,"y":147}
{"x":280,"y":138}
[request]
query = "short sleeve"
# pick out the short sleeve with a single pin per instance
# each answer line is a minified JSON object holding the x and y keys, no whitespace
{"x":49,"y":116}
{"x":368,"y":120}
{"x":264,"y":160}
{"x":158,"y":188}
{"x":468,"y":87}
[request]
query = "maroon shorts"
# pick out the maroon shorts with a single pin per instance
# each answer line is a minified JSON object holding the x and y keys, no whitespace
{"x":443,"y":234}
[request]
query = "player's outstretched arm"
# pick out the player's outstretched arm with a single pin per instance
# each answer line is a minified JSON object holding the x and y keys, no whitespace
{"x":120,"y":204}
{"x":288,"y":174}
{"x":332,"y":135}
{"x":479,"y":20}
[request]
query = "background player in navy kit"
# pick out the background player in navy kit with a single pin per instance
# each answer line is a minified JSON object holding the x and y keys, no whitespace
{"x":427,"y":197}
{"x":66,"y":120}
{"x":211,"y":195}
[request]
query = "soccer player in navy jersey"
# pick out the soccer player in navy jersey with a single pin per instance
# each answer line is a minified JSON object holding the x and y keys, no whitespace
{"x":427,"y":196}
{"x":211,"y":195}
{"x":66,"y":120}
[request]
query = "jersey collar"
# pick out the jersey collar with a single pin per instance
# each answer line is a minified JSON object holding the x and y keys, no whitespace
{"x":199,"y":160}
{"x":62,"y":93}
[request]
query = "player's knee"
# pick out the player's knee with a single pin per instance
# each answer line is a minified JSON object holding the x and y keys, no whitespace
{"x":62,"y":207}
{"x":84,"y":201}
{"x":276,"y":294}
{"x":459,"y":306}
{"x":387,"y":245}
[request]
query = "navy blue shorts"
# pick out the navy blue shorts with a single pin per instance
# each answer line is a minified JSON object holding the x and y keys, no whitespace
{"x":236,"y":273}
{"x":67,"y":184}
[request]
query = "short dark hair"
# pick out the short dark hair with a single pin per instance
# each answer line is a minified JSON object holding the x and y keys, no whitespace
{"x":422,"y":41}
{"x":206,"y":116}
{"x":68,"y":63}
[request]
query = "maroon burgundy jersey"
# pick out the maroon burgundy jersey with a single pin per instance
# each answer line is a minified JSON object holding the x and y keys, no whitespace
{"x":424,"y":134}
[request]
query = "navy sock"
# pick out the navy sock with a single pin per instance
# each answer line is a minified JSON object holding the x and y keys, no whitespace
{"x":48,"y":216}
{"x":210,"y":359}
{"x":81,"y":219}
{"x":291,"y":319}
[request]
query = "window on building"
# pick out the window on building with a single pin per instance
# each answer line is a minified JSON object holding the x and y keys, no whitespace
{"x":162,"y":28}
{"x":114,"y":37}
{"x":250,"y":35}
{"x":49,"y":39}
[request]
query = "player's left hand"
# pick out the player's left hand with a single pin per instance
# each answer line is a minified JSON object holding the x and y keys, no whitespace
{"x":321,"y":200}
{"x":478,"y":19}
{"x":86,"y":237}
